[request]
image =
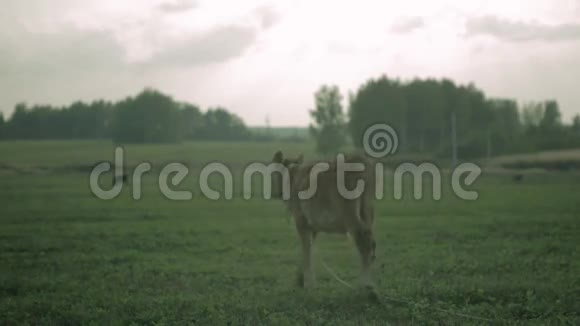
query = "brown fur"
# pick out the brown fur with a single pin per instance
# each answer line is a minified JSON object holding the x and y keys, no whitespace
{"x":329,"y":212}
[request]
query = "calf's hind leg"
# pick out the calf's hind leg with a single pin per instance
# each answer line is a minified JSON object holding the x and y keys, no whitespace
{"x":365,"y":245}
{"x":361,"y":232}
{"x":305,"y":275}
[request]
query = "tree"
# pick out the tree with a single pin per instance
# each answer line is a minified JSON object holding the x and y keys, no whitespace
{"x":191,"y":121}
{"x":219,"y":124}
{"x":505,"y":127}
{"x":2,"y":123}
{"x":379,"y":101}
{"x":551,"y":119}
{"x":150,"y":117}
{"x":426,"y":104}
{"x":329,"y":120}
{"x":544,"y":128}
{"x":532,"y":115}
{"x":576,"y":124}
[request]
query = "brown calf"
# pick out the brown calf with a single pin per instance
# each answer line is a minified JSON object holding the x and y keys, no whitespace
{"x":328,"y":210}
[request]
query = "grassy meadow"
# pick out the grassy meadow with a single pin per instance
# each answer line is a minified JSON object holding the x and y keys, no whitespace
{"x":512,"y":257}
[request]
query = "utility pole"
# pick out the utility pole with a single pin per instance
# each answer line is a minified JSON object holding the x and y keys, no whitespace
{"x":268,"y":130}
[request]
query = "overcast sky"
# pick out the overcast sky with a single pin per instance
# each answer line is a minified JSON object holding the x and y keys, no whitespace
{"x":267,"y":58}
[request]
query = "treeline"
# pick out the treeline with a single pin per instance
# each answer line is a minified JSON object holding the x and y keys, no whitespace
{"x":422,"y":111}
{"x":149,"y":117}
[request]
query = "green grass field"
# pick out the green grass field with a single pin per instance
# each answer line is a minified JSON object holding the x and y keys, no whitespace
{"x":511,"y":257}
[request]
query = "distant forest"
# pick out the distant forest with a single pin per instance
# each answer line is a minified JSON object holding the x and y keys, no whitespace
{"x":149,"y":117}
{"x":420,"y":110}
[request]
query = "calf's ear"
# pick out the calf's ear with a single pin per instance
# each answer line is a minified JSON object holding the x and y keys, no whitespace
{"x":278,"y":157}
{"x":300,"y":159}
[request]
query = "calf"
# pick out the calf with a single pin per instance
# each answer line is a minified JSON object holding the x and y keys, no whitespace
{"x":327,"y":210}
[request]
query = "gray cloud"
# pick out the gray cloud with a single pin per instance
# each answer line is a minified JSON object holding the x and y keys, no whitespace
{"x":408,"y":25}
{"x":67,"y":64}
{"x":515,"y":31}
{"x":72,"y":51}
{"x":268,"y":17}
{"x":217,"y":45}
{"x":59,"y":53}
{"x":61,"y":67}
{"x":178,"y":6}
